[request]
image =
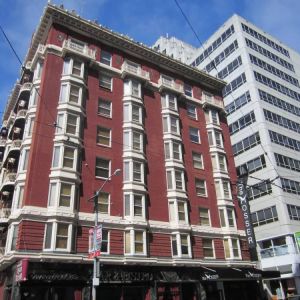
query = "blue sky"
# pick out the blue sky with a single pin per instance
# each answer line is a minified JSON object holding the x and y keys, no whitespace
{"x":144,"y":21}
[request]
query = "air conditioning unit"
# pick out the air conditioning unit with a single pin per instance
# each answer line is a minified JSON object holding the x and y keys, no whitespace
{"x":11,"y":160}
{"x":22,"y":103}
{"x":17,"y":130}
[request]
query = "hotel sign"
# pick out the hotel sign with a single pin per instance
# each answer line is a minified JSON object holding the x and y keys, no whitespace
{"x":244,"y":205}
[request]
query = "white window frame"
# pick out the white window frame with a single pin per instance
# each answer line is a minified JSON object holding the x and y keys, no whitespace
{"x":169,"y":101}
{"x":108,"y":203}
{"x":55,"y":193}
{"x":59,"y":150}
{"x":131,"y":234}
{"x":196,"y":187}
{"x":129,"y":206}
{"x":179,"y":245}
{"x":129,"y":88}
{"x":197,"y":159}
{"x":215,"y":121}
{"x":174,"y":211}
{"x":29,"y":127}
{"x":191,"y":110}
{"x":38,"y":70}
{"x":170,"y":153}
{"x":224,"y":214}
{"x":103,"y":136}
{"x":65,"y":93}
{"x":211,"y":248}
{"x":221,"y":184}
{"x":103,"y":81}
{"x":18,"y":196}
{"x":53,"y":239}
{"x":188,"y":90}
{"x":10,"y":236}
{"x":208,"y":216}
{"x":193,"y":133}
{"x":214,"y":134}
{"x":62,"y":119}
{"x":129,"y":140}
{"x":100,"y":100}
{"x":102,"y":168}
{"x":171,"y":179}
{"x":129,"y":113}
{"x":105,"y":57}
{"x":230,"y":248}
{"x":34,"y":95}
{"x":68,"y":67}
{"x":167,"y":124}
{"x":129,"y":171}
{"x":24,"y":160}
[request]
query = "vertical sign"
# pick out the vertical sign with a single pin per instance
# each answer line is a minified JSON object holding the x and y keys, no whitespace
{"x":95,"y":241}
{"x":244,"y":205}
{"x":21,"y":270}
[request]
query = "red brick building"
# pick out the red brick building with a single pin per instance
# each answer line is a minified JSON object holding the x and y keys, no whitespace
{"x":91,"y":101}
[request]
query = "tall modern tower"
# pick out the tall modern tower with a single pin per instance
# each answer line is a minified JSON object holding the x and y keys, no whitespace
{"x":262,"y":102}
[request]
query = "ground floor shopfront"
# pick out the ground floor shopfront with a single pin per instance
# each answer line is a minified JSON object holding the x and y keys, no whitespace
{"x":61,"y":281}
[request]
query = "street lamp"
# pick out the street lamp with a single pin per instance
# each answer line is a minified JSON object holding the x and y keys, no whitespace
{"x":95,"y":199}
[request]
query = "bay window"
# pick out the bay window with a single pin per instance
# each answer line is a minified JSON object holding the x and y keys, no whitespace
{"x":181,"y":245}
{"x":134,"y":205}
{"x":135,"y":242}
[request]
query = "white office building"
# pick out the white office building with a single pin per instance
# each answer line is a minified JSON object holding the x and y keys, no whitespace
{"x":262,"y":100}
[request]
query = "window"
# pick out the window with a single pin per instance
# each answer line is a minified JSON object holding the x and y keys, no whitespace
{"x":180,"y":244}
{"x":234,"y":84}
{"x":29,"y":127}
{"x":18,"y":197}
{"x":214,"y":117}
{"x":287,"y":162}
{"x":260,"y":189}
{"x":191,"y":111}
{"x":230,"y":68}
{"x":14,"y":237}
{"x":178,"y":211}
{"x":197,"y":160}
{"x":102,"y":167}
{"x":219,"y":162}
{"x":253,"y":165}
{"x":175,"y":180}
{"x":242,"y":122}
{"x":188,"y":90}
{"x":24,"y":159}
{"x":103,"y":203}
{"x":169,"y":101}
{"x":64,"y":157}
{"x":284,"y":141}
{"x":264,"y":216}
{"x":237,"y":103}
{"x":227,"y":217}
{"x":133,"y":113}
{"x":105,"y":57}
{"x":134,"y":205}
{"x":34,"y":96}
{"x":223,"y":189}
{"x":290,"y":186}
{"x":200,"y":185}
{"x":74,"y":67}
{"x":208,"y":248}
{"x":104,"y":108}
{"x":105,"y":81}
{"x":231,"y":248}
{"x":132,"y":87}
{"x":134,"y":171}
{"x":67,"y":123}
{"x":171,"y":124}
{"x":61,"y":194}
{"x":173,"y":150}
{"x":103,"y":136}
{"x":38,"y":70}
{"x":294,"y":212}
{"x":58,"y":237}
{"x":133,"y":140}
{"x":246,"y":144}
{"x":105,"y":242}
{"x":215,"y":138}
{"x":70,"y":93}
{"x":194,"y":135}
{"x":135,"y":242}
{"x":204,"y":216}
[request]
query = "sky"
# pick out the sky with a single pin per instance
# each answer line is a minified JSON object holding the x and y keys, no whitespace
{"x":144,"y":21}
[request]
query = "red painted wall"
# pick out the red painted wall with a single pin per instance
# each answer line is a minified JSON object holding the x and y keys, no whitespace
{"x":31,"y":236}
{"x":160,"y":245}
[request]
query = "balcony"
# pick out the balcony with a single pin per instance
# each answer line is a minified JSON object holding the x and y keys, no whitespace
{"x":21,"y":113}
{"x":26,"y":87}
{"x":9,"y":179}
{"x":79,"y":49}
{"x":2,"y":142}
{"x":209,"y":100}
{"x":133,"y":69}
{"x":274,"y":251}
{"x":4,"y":214}
{"x":168,"y":83}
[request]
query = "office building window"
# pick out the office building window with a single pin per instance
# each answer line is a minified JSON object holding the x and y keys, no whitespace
{"x":290,"y":186}
{"x":264,"y":216}
{"x":260,"y":189}
{"x":294,"y":212}
{"x":242,"y":122}
{"x":284,"y":141}
{"x":237,"y":103}
{"x":246,"y":144}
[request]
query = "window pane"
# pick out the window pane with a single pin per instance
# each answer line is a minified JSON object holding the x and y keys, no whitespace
{"x":104,"y":108}
{"x":71,"y":124}
{"x":174,"y":245}
{"x":103,"y":202}
{"x":68,"y":157}
{"x":127,"y":242}
{"x":74,"y":94}
{"x":103,"y":136}
{"x":48,"y":236}
{"x":102,"y":167}
{"x":62,"y":236}
{"x":65,"y":195}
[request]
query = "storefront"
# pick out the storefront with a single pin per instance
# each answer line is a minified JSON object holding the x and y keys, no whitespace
{"x":61,"y":281}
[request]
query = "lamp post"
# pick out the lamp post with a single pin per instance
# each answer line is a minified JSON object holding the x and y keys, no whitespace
{"x":95,"y":199}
